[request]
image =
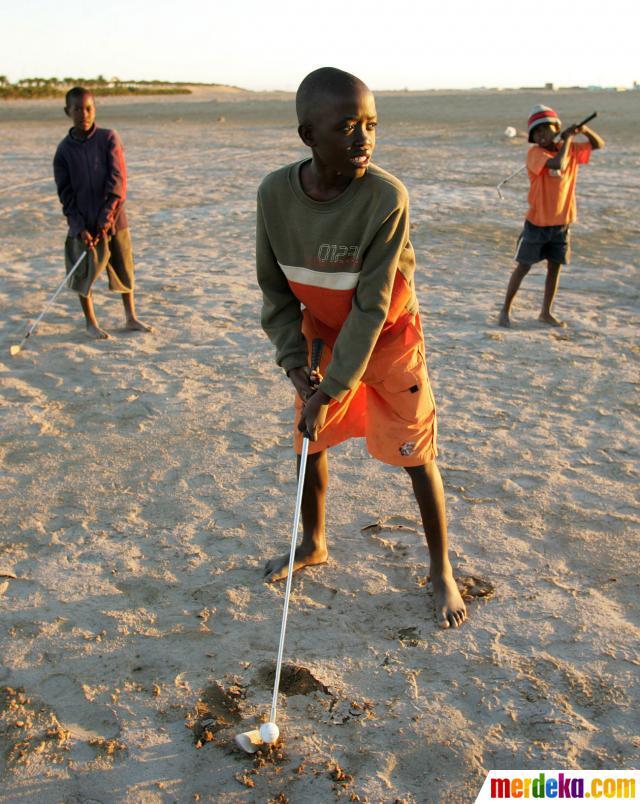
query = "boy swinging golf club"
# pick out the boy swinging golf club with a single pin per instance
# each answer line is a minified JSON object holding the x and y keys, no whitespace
{"x":553,"y":170}
{"x":524,"y":167}
{"x":17,"y":348}
{"x":335,"y":262}
{"x":252,"y":741}
{"x":91,"y":179}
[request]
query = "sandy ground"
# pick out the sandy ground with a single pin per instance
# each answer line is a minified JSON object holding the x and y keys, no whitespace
{"x":144,"y":480}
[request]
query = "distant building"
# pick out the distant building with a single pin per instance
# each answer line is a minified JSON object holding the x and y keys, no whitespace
{"x":545,"y":88}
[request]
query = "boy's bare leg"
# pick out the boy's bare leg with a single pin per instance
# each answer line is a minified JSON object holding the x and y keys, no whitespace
{"x":313,"y":548}
{"x":550,"y":289}
{"x":93,"y":328}
{"x":519,"y":273}
{"x":429,"y":492}
{"x":133,"y":322}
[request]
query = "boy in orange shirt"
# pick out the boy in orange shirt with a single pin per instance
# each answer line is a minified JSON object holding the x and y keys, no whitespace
{"x":334,"y":261}
{"x":553,"y":169}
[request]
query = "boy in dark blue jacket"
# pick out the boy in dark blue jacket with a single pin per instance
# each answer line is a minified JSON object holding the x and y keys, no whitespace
{"x":91,"y":178}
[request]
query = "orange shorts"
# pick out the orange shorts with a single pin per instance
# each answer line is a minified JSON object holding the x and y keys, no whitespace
{"x":392,"y":406}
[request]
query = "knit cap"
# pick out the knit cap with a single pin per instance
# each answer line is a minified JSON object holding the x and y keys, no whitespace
{"x":541,"y":114}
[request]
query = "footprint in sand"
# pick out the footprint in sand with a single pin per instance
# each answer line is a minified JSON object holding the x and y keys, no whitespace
{"x":217,"y":709}
{"x":472,"y":588}
{"x":388,"y":525}
{"x":85,"y":720}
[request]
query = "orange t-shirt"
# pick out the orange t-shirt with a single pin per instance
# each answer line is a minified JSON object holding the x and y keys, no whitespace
{"x":552,"y":196}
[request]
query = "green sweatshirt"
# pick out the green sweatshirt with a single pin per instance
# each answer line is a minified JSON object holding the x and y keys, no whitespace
{"x":349,"y":262}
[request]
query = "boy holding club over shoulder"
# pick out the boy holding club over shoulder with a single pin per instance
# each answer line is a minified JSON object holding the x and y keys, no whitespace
{"x":91,"y":179}
{"x":334,"y":262}
{"x":553,"y":169}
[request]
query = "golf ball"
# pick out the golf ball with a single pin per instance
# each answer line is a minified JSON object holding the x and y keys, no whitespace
{"x":269,"y":732}
{"x":510,"y":132}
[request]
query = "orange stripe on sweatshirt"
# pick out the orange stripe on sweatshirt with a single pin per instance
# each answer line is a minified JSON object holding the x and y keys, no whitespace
{"x":332,"y":308}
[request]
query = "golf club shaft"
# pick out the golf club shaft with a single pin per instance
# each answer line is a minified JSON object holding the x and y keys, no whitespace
{"x":292,"y":553}
{"x":317,"y":346}
{"x":515,"y":173}
{"x":55,"y":295}
{"x":587,"y":119}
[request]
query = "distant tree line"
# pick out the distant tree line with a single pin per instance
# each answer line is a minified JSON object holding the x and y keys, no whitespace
{"x":56,"y":87}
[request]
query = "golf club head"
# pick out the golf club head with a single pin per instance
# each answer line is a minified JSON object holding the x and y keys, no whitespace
{"x":249,"y":741}
{"x":15,"y":350}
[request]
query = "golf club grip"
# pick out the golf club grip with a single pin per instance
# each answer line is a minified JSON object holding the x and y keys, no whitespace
{"x":586,"y":120}
{"x":317,"y":345}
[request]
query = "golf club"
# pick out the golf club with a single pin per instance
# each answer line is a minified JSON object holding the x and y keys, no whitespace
{"x":520,"y":169}
{"x":504,"y":181}
{"x":252,"y":741}
{"x":17,"y":348}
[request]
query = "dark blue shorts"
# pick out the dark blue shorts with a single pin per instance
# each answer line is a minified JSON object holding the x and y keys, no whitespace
{"x":543,"y":243}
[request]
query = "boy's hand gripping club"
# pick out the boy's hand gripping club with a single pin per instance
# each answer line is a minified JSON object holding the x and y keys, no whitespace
{"x":314,"y":380}
{"x":579,"y":125}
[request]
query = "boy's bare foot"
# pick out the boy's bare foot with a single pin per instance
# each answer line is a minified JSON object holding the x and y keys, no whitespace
{"x":447,"y":600}
{"x":94,"y":331}
{"x":503,"y":320}
{"x":136,"y":325}
{"x":276,"y":569}
{"x":547,"y":318}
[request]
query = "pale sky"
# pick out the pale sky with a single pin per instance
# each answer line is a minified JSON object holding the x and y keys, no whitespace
{"x":263,"y":44}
